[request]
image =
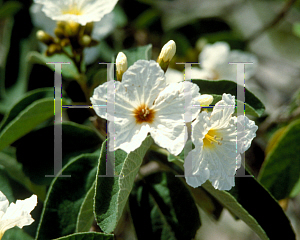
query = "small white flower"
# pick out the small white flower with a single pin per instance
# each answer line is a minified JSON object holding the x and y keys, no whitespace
{"x":214,"y":60}
{"x":100,"y":29}
{"x":16,"y":214}
{"x":145,"y":103}
{"x":217,"y":152}
{"x":80,"y":11}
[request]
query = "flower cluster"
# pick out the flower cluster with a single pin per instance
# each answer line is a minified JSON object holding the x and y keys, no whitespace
{"x":144,"y":102}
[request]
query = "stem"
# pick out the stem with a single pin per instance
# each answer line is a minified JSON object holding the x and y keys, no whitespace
{"x":275,"y":21}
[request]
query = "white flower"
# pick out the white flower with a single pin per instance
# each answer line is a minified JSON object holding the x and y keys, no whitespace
{"x":218,"y":145}
{"x":100,"y":29}
{"x":214,"y":60}
{"x":80,"y":11}
{"x":16,"y":214}
{"x":145,"y":103}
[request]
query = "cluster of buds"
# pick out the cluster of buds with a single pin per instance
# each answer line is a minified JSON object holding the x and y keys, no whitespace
{"x":167,"y":53}
{"x":68,"y":33}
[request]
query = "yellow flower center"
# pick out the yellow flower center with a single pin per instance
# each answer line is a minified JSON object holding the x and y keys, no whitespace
{"x":143,"y":114}
{"x":211,"y":139}
{"x":72,"y":9}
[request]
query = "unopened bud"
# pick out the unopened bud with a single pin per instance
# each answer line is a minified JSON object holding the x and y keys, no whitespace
{"x":205,"y":100}
{"x":65,"y":42}
{"x":59,"y":32}
{"x":52,"y":49}
{"x":167,"y":53}
{"x":121,"y":63}
{"x":44,"y":37}
{"x":85,"y":40}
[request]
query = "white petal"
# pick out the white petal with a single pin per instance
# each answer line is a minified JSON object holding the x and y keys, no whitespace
{"x":196,"y":168}
{"x":172,"y":100}
{"x":90,"y":10}
{"x":222,"y":165}
{"x":128,"y":135}
{"x":18,"y":214}
{"x":200,"y":127}
{"x":144,"y":80}
{"x":169,"y":133}
{"x":222,"y":111}
{"x":118,"y":97}
{"x":213,"y":55}
{"x":3,"y":204}
{"x":245,"y":137}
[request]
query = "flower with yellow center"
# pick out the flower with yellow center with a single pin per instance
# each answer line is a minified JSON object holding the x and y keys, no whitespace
{"x":144,"y":103}
{"x":214,"y":59}
{"x":15,"y":214}
{"x":80,"y":11}
{"x":218,"y":145}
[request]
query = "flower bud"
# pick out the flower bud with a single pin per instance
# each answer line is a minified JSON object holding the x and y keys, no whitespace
{"x":167,"y":53}
{"x":85,"y":40}
{"x":52,"y":49}
{"x":205,"y":100}
{"x":121,"y":63}
{"x":59,"y":32}
{"x":65,"y":42}
{"x":44,"y":37}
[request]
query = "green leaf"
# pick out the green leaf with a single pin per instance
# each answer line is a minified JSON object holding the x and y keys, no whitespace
{"x":28,"y":119}
{"x":86,"y":215}
{"x":65,"y":197}
{"x":16,"y":233}
{"x":6,"y":29}
{"x":250,"y":202}
{"x":138,"y":53}
{"x":68,"y":70}
{"x":87,"y":236}
{"x":9,"y":9}
{"x":163,"y":208}
{"x":120,"y":17}
{"x":253,"y":106}
{"x":281,"y":170}
{"x":112,"y":192}
{"x":296,"y":29}
{"x":14,"y":169}
{"x":5,"y":187}
{"x":76,"y":139}
{"x":26,"y":101}
{"x":15,"y":92}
